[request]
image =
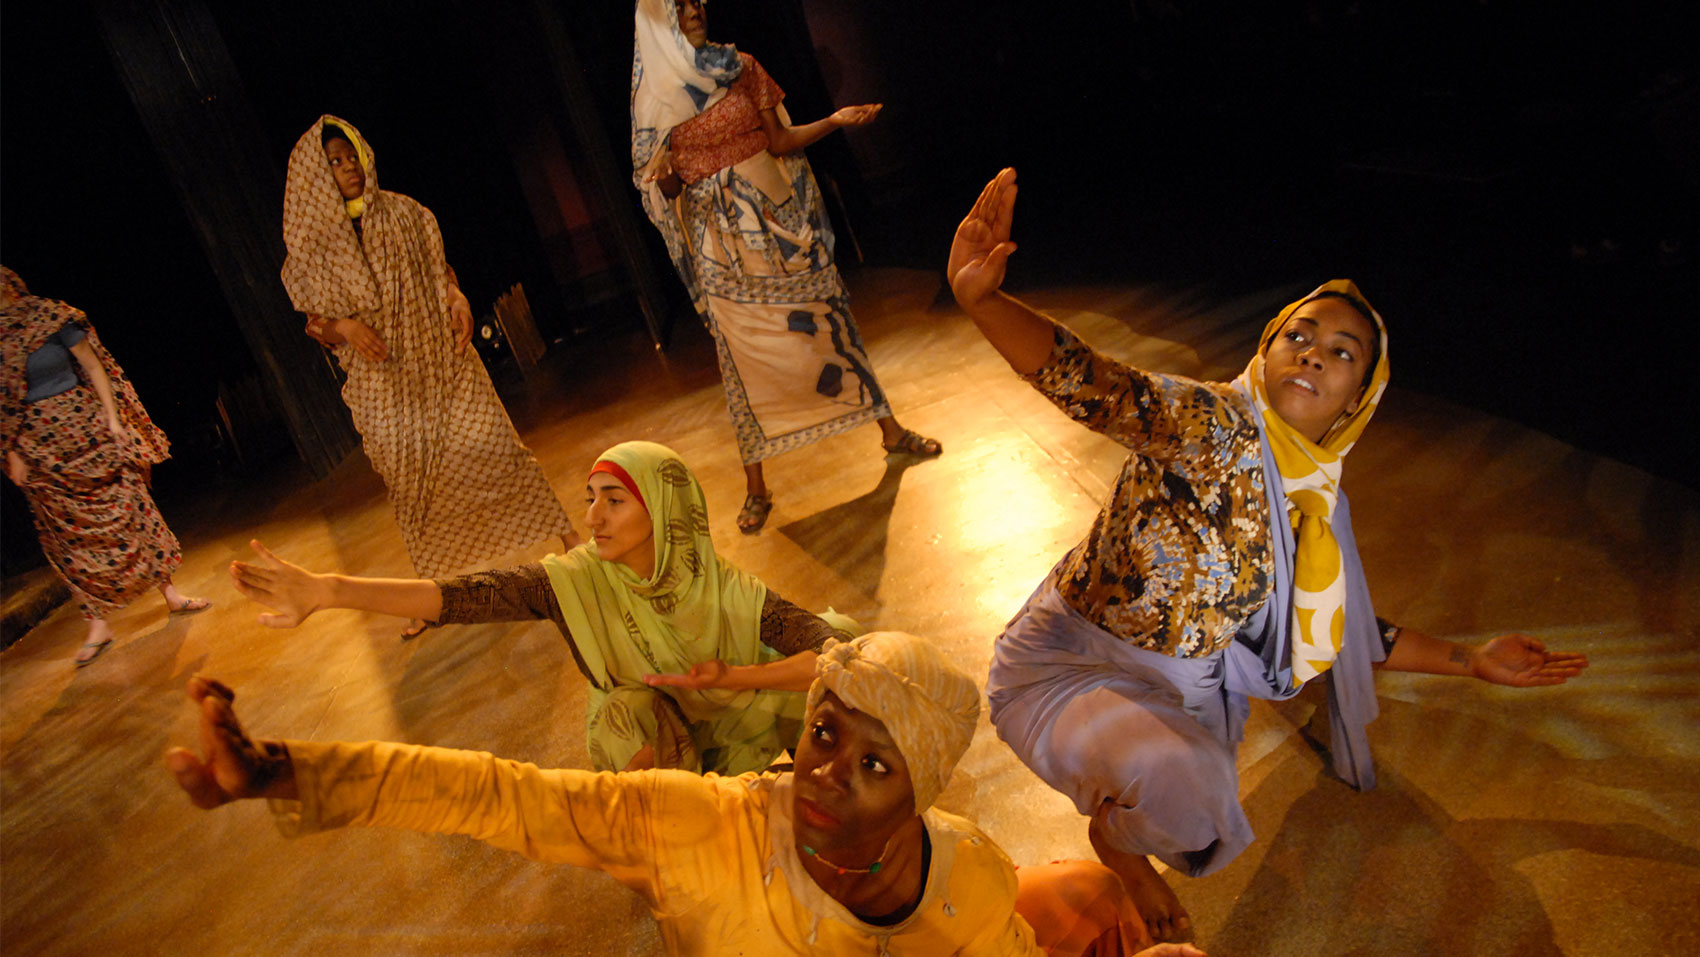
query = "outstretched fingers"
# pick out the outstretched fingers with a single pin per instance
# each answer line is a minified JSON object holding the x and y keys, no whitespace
{"x":1559,"y":667}
{"x":996,"y":206}
{"x":197,"y":777}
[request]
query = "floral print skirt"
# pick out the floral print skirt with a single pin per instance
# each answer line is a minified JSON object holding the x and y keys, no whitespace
{"x":97,"y":521}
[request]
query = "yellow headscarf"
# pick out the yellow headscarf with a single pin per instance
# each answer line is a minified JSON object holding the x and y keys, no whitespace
{"x":1310,"y":480}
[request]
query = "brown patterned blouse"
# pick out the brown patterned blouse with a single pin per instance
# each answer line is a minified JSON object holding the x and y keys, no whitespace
{"x":523,"y":594}
{"x":728,"y":132}
{"x":1180,"y":556}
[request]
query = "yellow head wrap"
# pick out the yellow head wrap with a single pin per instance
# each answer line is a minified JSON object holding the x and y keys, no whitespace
{"x":1310,"y":479}
{"x":927,"y":704}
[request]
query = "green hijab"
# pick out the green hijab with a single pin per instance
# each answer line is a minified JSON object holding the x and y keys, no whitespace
{"x":693,"y":608}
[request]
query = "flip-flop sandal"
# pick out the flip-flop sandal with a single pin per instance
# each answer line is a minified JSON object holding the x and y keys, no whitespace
{"x":99,"y":649}
{"x":191,"y":606}
{"x":914,"y":443}
{"x":753,"y":515}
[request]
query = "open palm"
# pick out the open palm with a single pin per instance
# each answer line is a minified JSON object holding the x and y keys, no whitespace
{"x":980,"y":251}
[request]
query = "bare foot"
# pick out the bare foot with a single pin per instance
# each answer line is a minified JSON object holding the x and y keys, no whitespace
{"x":1164,"y":916}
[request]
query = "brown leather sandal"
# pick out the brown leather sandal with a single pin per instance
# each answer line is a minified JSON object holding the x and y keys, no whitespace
{"x":753,"y":515}
{"x":914,"y":443}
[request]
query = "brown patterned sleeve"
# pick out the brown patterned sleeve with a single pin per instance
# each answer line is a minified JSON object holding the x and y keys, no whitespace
{"x":789,"y":629}
{"x":1150,"y":413}
{"x":504,"y":594}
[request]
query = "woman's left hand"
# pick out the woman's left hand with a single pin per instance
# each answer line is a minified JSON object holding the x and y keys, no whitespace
{"x":857,"y":115}
{"x":703,"y":674}
{"x":16,"y":468}
{"x":460,"y":315}
{"x":1523,"y":662}
{"x":116,"y":427}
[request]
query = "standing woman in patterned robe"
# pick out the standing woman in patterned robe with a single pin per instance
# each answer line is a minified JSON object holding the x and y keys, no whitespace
{"x":723,"y":177}
{"x":80,"y":446}
{"x":367,"y":267}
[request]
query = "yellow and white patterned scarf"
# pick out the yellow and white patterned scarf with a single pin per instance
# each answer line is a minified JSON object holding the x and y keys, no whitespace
{"x":1310,"y":480}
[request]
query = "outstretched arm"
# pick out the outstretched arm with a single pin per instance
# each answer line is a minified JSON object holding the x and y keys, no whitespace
{"x":294,"y":593}
{"x":979,"y":255}
{"x":795,"y":673}
{"x":573,"y":817}
{"x":1516,"y":660}
{"x":783,"y":138}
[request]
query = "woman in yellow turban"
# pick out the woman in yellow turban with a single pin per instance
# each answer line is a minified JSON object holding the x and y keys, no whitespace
{"x":844,"y":855}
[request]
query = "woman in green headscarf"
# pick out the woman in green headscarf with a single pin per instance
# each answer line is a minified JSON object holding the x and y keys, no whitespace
{"x":692,"y":663}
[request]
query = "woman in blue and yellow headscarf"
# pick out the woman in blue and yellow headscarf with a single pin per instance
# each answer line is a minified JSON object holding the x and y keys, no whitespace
{"x":1222,"y":568}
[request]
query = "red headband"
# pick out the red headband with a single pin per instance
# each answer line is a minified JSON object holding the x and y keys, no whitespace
{"x":624,"y":477}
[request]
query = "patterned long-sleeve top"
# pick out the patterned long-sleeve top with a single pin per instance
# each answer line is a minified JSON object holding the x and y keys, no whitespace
{"x":523,"y":593}
{"x":1180,"y":556}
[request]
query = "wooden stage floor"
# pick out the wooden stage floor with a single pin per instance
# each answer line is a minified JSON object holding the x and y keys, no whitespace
{"x":1546,"y":821}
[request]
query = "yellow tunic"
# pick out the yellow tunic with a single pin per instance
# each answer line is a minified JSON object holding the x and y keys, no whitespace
{"x":713,"y":856}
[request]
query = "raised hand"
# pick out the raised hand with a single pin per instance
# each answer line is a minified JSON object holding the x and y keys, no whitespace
{"x":703,"y":674}
{"x":1522,"y":662}
{"x":293,"y":592}
{"x":980,"y":252}
{"x":231,"y":765}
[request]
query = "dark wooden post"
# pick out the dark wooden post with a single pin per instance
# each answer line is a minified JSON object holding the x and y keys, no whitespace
{"x":610,"y":174}
{"x":173,"y":61}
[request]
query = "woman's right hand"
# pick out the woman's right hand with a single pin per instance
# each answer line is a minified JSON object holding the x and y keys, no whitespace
{"x":16,"y":468}
{"x":231,"y":765}
{"x":292,"y":592}
{"x":702,"y":676}
{"x":334,"y":332}
{"x":856,"y":115}
{"x":979,"y":254}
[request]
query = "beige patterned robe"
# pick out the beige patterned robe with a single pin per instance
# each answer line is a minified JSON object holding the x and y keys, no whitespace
{"x":464,"y":488}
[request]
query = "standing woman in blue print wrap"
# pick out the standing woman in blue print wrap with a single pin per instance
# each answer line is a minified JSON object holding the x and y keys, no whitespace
{"x":722,"y":175}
